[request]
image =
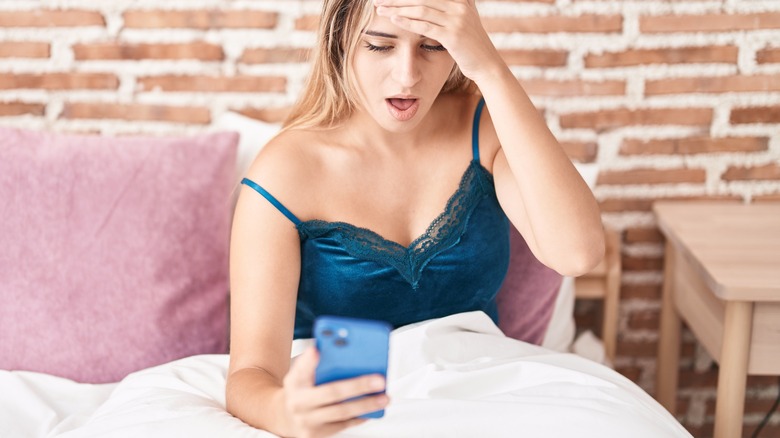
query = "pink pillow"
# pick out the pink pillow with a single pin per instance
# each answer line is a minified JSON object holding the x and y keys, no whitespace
{"x":526,"y":300}
{"x":113,"y":251}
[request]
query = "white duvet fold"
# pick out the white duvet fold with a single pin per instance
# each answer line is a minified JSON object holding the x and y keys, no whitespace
{"x":452,"y":377}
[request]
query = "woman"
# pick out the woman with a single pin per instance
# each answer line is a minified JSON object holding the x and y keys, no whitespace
{"x":361,"y":206}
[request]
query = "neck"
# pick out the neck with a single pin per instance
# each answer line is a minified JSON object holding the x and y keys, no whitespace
{"x":363,"y":129}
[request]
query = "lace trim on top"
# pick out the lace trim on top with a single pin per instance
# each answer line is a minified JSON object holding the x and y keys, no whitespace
{"x":443,"y":233}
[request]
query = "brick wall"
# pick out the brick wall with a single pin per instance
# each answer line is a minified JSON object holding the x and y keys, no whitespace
{"x":675,"y":99}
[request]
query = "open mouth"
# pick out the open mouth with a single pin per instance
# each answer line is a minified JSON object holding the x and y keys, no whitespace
{"x":402,"y":109}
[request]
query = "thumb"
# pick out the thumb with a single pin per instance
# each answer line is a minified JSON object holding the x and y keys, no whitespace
{"x":302,"y":371}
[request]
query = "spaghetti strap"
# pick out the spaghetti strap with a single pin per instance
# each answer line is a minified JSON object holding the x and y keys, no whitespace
{"x":272,"y":200}
{"x":475,"y":130}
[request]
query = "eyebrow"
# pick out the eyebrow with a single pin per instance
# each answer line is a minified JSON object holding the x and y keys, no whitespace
{"x":386,"y":35}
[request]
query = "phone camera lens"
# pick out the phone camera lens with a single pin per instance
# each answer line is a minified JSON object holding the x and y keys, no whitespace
{"x":340,"y":342}
{"x":327,"y":332}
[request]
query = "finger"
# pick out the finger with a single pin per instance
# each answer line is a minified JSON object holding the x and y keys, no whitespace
{"x":337,"y":392}
{"x":301,"y":374}
{"x":425,"y":28}
{"x":439,"y":5}
{"x":348,"y":410}
{"x":419,"y":13}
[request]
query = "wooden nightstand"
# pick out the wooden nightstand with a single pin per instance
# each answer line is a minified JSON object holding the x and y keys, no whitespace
{"x":722,"y":276}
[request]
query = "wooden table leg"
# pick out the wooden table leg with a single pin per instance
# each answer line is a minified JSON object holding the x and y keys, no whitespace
{"x":669,"y":338}
{"x":732,"y":376}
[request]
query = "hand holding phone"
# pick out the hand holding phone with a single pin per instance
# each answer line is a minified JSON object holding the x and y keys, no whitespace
{"x":350,"y":348}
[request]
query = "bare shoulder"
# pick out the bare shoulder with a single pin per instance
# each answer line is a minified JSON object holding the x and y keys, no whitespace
{"x":465,"y":106}
{"x":286,"y":167}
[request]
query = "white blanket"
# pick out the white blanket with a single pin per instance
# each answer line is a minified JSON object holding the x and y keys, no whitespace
{"x":453,"y":377}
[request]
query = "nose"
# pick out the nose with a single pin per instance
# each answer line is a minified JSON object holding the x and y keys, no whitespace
{"x":407,"y":69}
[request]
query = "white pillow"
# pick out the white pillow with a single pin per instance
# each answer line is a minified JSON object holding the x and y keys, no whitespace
{"x":254,"y":134}
{"x":561,"y":329}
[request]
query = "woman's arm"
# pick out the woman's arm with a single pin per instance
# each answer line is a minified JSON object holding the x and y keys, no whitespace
{"x":263,"y":388}
{"x":264,"y":273}
{"x":537,"y":185}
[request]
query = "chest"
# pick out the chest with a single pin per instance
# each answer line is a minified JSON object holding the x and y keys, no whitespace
{"x":398,"y":202}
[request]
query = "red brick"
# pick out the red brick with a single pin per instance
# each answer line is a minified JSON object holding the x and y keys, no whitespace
{"x":581,"y":152}
{"x":688,"y":349}
{"x":709,"y":22}
{"x":640,"y":292}
{"x":629,"y":263}
{"x":609,"y":119}
{"x":705,"y":430}
{"x":693,"y":145}
{"x":633,"y":373}
{"x":766,"y":114}
{"x":153,"y":113}
{"x":713,"y":84}
{"x":692,"y":379}
{"x":644,"y":204}
{"x":59,"y":81}
{"x":51,"y":18}
{"x":762,"y":406}
{"x":201,"y":19}
{"x":270,"y":115}
{"x":308,"y":22}
{"x":586,"y":23}
{"x":767,"y":56}
{"x":683,"y":55}
{"x":24,"y":49}
{"x":768,"y":171}
{"x":643,"y":235}
{"x":275,"y":56}
{"x":120,"y":51}
{"x":775,"y":197}
{"x":540,"y":58}
{"x":652,"y":176}
{"x":586,"y":320}
{"x":19,"y":108}
{"x":768,"y":431}
{"x":761,"y":381}
{"x":546,"y":87}
{"x":250,"y":84}
{"x":644,"y":320}
{"x":625,"y":204}
{"x":637,"y":349}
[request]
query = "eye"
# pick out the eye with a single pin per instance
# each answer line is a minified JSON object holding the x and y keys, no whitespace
{"x":374,"y":48}
{"x":429,"y":48}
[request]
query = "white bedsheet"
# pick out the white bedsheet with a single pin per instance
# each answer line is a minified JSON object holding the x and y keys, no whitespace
{"x":453,"y":377}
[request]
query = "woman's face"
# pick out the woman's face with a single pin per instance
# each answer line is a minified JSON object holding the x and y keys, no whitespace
{"x":399,"y":74}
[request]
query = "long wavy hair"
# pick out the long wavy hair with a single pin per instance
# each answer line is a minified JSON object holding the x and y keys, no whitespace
{"x":329,"y":95}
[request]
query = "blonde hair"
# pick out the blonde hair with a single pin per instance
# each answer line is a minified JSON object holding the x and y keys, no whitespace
{"x":329,"y":96}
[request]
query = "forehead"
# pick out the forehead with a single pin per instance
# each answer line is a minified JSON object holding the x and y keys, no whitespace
{"x":383,"y":25}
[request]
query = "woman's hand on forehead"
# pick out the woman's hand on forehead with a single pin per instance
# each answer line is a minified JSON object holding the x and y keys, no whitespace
{"x":453,"y":23}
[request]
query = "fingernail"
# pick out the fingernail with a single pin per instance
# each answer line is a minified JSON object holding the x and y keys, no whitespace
{"x":379,"y":2}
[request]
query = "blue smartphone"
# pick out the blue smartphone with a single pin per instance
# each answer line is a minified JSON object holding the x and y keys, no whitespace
{"x":351,"y":347}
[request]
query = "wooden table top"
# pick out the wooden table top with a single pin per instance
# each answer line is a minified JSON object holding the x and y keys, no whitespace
{"x":734,"y":246}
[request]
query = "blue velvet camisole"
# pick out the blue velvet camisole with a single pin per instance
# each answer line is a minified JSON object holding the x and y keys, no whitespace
{"x":456,"y":266}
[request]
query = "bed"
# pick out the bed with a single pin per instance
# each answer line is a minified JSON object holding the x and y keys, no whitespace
{"x":114,"y":320}
{"x":458,"y":376}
